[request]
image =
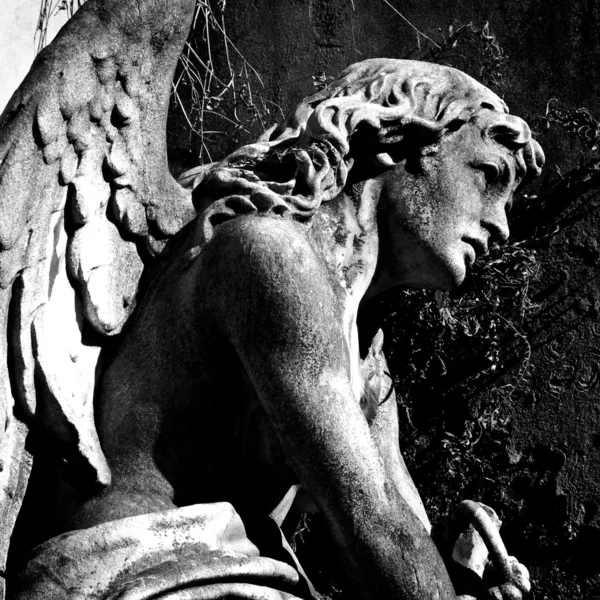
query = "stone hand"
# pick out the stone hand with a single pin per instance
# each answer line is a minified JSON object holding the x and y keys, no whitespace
{"x":480,"y":548}
{"x":515,"y":581}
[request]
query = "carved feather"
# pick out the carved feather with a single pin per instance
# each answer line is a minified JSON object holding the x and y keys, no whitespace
{"x":85,"y":195}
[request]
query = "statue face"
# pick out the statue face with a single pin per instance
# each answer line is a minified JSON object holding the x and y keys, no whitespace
{"x":439,"y":212}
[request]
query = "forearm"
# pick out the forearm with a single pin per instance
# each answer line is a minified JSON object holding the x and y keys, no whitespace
{"x":386,"y":549}
{"x":289,"y":337}
{"x":385,"y":434}
{"x":392,"y":556}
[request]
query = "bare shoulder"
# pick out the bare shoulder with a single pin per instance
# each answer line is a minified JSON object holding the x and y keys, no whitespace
{"x":265,"y":272}
{"x":265,"y":238}
{"x":270,"y":251}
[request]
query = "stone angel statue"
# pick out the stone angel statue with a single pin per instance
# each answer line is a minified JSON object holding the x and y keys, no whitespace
{"x":188,"y":355}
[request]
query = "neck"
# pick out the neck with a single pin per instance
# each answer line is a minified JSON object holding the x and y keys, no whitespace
{"x":345,"y":233}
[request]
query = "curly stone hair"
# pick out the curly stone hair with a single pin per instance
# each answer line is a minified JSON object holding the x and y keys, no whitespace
{"x":398,"y":105}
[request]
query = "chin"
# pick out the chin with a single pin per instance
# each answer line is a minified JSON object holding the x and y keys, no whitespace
{"x":447,"y":285}
{"x":437,"y":272}
{"x":447,"y":281}
{"x":457,"y":268}
{"x":444,"y":270}
{"x":457,"y":280}
{"x":449,"y":276}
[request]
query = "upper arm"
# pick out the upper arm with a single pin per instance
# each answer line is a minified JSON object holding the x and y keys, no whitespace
{"x":275,"y":300}
{"x":279,"y":308}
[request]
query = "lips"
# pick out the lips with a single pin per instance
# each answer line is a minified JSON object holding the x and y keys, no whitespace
{"x":480,"y":246}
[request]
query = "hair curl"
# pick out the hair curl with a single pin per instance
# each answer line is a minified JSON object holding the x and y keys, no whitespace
{"x":305,"y":160}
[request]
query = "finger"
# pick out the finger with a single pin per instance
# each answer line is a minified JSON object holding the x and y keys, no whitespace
{"x":506,"y":591}
{"x":483,"y":524}
{"x":519,"y":575}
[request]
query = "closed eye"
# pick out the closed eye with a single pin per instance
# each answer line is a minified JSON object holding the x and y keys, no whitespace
{"x":491,"y":172}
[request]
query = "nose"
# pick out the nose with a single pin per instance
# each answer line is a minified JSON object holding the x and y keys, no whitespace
{"x":495,"y":221}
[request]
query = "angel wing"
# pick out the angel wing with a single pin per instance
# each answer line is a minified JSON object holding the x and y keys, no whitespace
{"x":86,"y":199}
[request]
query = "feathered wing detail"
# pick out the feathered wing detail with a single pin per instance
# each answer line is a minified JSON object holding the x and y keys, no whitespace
{"x":85,"y":194}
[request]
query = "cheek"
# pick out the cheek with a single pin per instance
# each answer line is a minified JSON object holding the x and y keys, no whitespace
{"x":460,"y":207}
{"x":411,"y":206}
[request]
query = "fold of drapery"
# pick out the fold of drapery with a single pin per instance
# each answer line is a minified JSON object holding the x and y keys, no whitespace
{"x":199,"y":552}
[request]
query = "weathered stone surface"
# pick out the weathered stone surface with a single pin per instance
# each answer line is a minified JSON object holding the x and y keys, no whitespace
{"x":302,"y":262}
{"x":240,"y":367}
{"x":84,"y":127}
{"x":205,"y":546}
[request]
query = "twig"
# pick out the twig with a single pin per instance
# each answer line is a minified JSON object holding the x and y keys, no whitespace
{"x":409,"y":23}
